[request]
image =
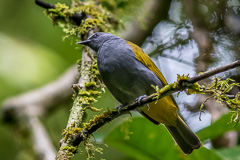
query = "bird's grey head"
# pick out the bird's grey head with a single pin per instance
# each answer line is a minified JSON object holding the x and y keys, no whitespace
{"x":96,"y":40}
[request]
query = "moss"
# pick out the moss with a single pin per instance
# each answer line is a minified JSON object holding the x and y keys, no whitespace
{"x":59,"y":13}
{"x":79,"y":64}
{"x":97,"y":15}
{"x":219,"y":89}
{"x":94,"y":17}
{"x":83,"y":93}
{"x":94,"y":93}
{"x":87,"y":100}
{"x":67,"y":135}
{"x":182,"y":84}
{"x":70,"y":132}
{"x":89,"y":93}
{"x":90,"y":85}
{"x":192,"y":88}
{"x":77,"y":130}
{"x":71,"y":150}
{"x":89,"y":96}
{"x":94,"y":109}
{"x":91,"y":148}
{"x":97,"y":118}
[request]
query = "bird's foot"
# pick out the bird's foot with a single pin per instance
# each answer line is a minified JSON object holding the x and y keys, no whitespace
{"x":139,"y":100}
{"x":119,"y":108}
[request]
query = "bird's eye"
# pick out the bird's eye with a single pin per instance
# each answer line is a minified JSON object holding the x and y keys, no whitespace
{"x":96,"y":35}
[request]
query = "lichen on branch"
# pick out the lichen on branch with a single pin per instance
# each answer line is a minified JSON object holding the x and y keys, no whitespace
{"x":219,"y":90}
{"x":92,"y":16}
{"x":100,"y":15}
{"x":86,"y":93}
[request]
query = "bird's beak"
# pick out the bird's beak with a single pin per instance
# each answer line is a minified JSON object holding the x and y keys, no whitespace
{"x":84,"y":42}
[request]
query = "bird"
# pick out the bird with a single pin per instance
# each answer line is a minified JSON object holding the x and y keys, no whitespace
{"x":130,"y":74}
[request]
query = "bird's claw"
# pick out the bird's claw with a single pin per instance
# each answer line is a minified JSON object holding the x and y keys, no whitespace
{"x":119,"y":108}
{"x":148,"y":107}
{"x":139,"y":100}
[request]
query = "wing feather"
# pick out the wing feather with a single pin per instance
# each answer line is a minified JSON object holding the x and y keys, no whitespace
{"x":166,"y":107}
{"x":147,"y":61}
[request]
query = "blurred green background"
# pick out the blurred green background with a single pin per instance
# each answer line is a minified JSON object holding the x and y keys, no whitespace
{"x":32,"y":53}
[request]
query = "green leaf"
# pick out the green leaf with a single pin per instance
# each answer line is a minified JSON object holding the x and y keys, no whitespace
{"x":230,"y":153}
{"x":204,"y":153}
{"x":150,"y":142}
{"x":218,"y":128}
{"x":147,"y":141}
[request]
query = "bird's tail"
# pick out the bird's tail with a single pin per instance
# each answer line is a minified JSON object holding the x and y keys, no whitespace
{"x":185,"y":138}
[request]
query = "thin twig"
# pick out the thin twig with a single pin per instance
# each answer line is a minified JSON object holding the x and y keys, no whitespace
{"x":44,"y":4}
{"x":214,"y":71}
{"x":42,"y":144}
{"x":177,"y":60}
{"x":47,"y":97}
{"x":76,"y":17}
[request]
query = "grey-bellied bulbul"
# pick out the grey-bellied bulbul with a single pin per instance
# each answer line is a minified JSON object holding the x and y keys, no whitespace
{"x":128,"y":73}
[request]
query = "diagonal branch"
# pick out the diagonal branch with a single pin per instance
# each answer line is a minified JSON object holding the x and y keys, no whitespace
{"x":76,"y":17}
{"x":42,"y":145}
{"x":214,"y":71}
{"x":47,"y":97}
{"x":27,"y":107}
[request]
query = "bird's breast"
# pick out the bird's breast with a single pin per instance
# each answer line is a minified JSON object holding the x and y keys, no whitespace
{"x":125,"y":77}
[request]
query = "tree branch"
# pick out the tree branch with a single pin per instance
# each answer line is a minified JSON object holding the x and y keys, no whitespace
{"x":134,"y":32}
{"x":78,"y":113}
{"x":76,"y":17}
{"x":177,"y":59}
{"x":214,"y":71}
{"x":44,"y":4}
{"x":202,"y":34}
{"x":27,"y":107}
{"x":42,"y":145}
{"x":47,"y":97}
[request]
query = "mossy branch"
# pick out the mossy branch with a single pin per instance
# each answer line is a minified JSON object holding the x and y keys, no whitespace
{"x":214,"y":71}
{"x":85,"y":94}
{"x":76,"y":17}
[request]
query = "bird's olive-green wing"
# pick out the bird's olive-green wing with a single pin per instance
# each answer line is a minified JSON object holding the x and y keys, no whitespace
{"x":167,"y":101}
{"x":146,"y":60}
